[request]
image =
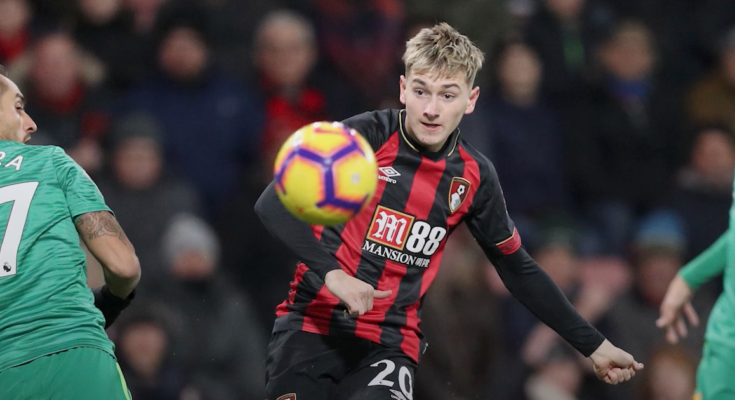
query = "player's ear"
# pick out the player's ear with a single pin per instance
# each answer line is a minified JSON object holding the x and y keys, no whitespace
{"x":474,"y":94}
{"x":402,"y":89}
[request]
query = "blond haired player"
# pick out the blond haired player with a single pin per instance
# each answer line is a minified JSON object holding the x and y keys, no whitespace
{"x":378,"y":266}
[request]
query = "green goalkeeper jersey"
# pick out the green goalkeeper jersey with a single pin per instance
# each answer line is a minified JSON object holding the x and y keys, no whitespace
{"x":718,"y":259}
{"x":45,"y":304}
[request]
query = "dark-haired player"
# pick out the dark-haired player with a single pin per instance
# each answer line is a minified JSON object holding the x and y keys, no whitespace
{"x":53,"y":343}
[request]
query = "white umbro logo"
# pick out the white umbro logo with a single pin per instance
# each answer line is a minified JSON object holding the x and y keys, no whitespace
{"x":389,"y":171}
{"x":386,"y":173}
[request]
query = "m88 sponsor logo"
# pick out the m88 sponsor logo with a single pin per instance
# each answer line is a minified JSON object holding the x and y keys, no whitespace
{"x":392,"y":234}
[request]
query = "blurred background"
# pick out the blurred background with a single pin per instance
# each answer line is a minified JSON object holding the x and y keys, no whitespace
{"x":610,"y":123}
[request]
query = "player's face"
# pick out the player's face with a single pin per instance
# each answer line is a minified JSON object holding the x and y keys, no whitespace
{"x":15,"y":124}
{"x":435,"y":105}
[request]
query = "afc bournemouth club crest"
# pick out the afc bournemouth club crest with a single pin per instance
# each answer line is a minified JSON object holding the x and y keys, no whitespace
{"x":290,"y":396}
{"x":458,"y":192}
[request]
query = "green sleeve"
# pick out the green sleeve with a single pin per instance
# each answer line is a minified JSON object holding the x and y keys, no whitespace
{"x":708,"y":264}
{"x":82,"y":195}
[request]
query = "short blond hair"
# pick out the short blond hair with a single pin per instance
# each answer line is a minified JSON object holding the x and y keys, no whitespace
{"x":443,"y":51}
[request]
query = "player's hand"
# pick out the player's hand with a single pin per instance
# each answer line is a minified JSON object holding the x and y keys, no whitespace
{"x":110,"y":304}
{"x":613,"y":365}
{"x":677,"y":301}
{"x":357,"y":295}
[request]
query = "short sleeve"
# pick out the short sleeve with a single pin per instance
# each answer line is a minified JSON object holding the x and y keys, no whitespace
{"x":81,"y":193}
{"x":488,"y":220}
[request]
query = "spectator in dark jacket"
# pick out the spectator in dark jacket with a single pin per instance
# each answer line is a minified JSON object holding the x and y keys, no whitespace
{"x":217,"y":338}
{"x":105,"y":29}
{"x":525,"y":141}
{"x":145,"y":196}
{"x":210,"y":123}
{"x":625,"y":137}
{"x":703,"y":193}
{"x":564,"y":33}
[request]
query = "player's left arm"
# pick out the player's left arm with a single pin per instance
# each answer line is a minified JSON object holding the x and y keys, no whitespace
{"x":491,"y":225}
{"x":298,"y":236}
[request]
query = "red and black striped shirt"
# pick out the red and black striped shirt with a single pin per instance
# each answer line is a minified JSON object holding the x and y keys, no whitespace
{"x":396,"y":243}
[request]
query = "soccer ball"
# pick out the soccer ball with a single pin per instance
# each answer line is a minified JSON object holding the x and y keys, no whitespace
{"x":325,"y":173}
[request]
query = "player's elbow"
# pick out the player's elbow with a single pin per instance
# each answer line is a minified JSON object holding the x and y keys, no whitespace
{"x":264,"y":207}
{"x":259,"y":207}
{"x":126,"y":268}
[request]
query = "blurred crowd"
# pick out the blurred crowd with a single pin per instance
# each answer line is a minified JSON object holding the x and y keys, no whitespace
{"x":610,"y":123}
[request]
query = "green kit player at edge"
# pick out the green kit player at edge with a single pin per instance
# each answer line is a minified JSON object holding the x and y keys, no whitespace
{"x":717,"y":367}
{"x":53,"y":343}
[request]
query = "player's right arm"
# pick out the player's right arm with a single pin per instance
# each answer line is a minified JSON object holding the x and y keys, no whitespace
{"x":677,"y":301}
{"x":299,"y":238}
{"x":107,"y":242}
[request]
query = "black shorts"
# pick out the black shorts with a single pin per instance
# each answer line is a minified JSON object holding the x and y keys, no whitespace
{"x":309,"y":366}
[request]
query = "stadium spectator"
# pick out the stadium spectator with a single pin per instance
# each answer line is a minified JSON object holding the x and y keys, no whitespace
{"x":674,"y":25}
{"x":712,"y":98}
{"x":525,"y":140}
{"x":463,"y":338}
{"x":657,"y":248}
{"x":210,"y":123}
{"x":486,"y":22}
{"x":71,"y":111}
{"x":703,"y":192}
{"x":234,"y":24}
{"x":359,"y":41}
{"x":105,"y":29}
{"x":145,"y":195}
{"x":625,"y":137}
{"x":670,"y":375}
{"x":557,"y":377}
{"x":285,"y":56}
{"x":15,"y":35}
{"x":293,"y":95}
{"x":714,"y":19}
{"x":218,"y":339}
{"x":252,"y":256}
{"x":145,"y":14}
{"x":143,"y":342}
{"x":564,"y":33}
{"x":590,"y":284}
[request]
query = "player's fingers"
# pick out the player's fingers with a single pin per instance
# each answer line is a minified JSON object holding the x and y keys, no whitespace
{"x":353,"y":307}
{"x":638,"y":366}
{"x":681,"y":327}
{"x":671,"y":336}
{"x":691,"y":314}
{"x":612,"y":375}
{"x":369,"y":303}
{"x":624,"y":375}
{"x":666,"y":318}
{"x":382,"y":294}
